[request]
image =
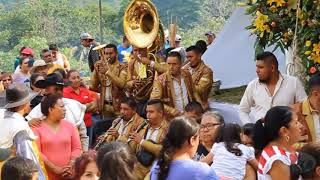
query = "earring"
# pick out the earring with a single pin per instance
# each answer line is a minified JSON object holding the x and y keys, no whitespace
{"x":287,"y":138}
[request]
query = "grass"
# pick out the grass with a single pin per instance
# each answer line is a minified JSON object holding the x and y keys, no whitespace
{"x":232,"y":95}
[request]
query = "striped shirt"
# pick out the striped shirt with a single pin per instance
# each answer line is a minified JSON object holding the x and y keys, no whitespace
{"x":271,"y":154}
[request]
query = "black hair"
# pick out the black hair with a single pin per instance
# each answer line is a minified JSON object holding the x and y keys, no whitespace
{"x":49,"y":102}
{"x":174,"y":54}
{"x":201,"y":44}
{"x":115,"y":161}
{"x":195,"y":49}
{"x":43,"y":51}
{"x":267,"y":129}
{"x":70,"y":72}
{"x":21,"y":49}
{"x":33,"y":77}
{"x":124,"y":38}
{"x":156,"y":102}
{"x":181,"y":129}
{"x":21,"y":60}
{"x":61,"y":72}
{"x":230,"y":135}
{"x":167,"y":51}
{"x":130,"y":102}
{"x":18,"y":168}
{"x":114,"y":47}
{"x":248,"y":129}
{"x":308,"y":161}
{"x":269,"y":58}
{"x":53,"y":47}
{"x":194,"y":106}
{"x":314,"y":81}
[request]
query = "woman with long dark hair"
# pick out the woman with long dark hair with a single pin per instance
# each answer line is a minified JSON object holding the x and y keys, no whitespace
{"x":179,"y":146}
{"x":116,"y":162}
{"x":274,"y":136}
{"x":229,"y":156}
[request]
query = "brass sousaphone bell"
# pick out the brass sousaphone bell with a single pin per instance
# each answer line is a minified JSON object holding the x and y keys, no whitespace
{"x":142,"y":25}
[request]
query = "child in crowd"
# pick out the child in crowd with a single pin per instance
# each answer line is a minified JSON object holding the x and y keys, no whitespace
{"x":247,"y":134}
{"x":19,"y":168}
{"x":229,"y":156}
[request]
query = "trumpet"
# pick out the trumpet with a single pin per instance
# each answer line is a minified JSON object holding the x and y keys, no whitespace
{"x":105,"y":136}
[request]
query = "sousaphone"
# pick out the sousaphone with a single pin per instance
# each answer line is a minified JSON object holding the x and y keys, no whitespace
{"x":141,"y":23}
{"x":143,"y":29}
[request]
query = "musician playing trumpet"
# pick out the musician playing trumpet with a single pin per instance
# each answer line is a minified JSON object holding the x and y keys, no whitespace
{"x":126,"y":124}
{"x":109,"y":78}
{"x":149,"y":137}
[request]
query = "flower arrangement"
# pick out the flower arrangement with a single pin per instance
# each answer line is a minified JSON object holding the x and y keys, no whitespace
{"x":274,"y":23}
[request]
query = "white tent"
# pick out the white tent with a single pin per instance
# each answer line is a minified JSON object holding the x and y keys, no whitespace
{"x":231,"y":56}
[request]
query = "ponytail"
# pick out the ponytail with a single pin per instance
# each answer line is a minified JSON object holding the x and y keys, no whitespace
{"x":259,"y":136}
{"x":165,"y":159}
{"x":267,"y":129}
{"x":305,"y":167}
{"x":308,"y":161}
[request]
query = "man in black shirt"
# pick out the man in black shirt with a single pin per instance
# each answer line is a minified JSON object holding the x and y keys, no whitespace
{"x":87,"y":41}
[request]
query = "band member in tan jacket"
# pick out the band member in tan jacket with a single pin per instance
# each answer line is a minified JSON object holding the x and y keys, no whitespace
{"x":309,"y":111}
{"x":175,"y":87}
{"x":202,"y":75}
{"x":146,"y":141}
{"x":109,"y":78}
{"x":126,"y":124}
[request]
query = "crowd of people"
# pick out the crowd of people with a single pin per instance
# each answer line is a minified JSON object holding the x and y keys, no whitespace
{"x":161,"y":123}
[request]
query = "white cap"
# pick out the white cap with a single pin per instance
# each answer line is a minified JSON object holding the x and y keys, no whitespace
{"x":178,"y":38}
{"x":39,"y":63}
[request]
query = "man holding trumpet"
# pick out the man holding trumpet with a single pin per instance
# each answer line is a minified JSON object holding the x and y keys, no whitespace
{"x":109,"y":78}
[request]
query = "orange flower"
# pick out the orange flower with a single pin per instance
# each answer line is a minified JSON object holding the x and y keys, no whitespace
{"x":313,"y":70}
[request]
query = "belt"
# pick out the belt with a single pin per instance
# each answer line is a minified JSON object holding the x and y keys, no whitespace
{"x":108,"y":102}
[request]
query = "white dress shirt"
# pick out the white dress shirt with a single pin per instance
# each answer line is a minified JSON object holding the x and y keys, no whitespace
{"x":288,"y":91}
{"x":181,"y":95}
{"x":316,"y":121}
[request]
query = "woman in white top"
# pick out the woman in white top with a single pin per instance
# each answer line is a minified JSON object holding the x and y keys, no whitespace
{"x":274,"y":136}
{"x":228,"y":156}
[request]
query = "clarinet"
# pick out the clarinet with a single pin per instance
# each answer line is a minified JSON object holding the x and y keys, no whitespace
{"x":101,"y":141}
{"x":139,"y":129}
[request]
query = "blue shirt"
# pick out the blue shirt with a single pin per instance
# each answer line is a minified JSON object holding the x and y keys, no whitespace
{"x":122,"y":51}
{"x":186,"y":170}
